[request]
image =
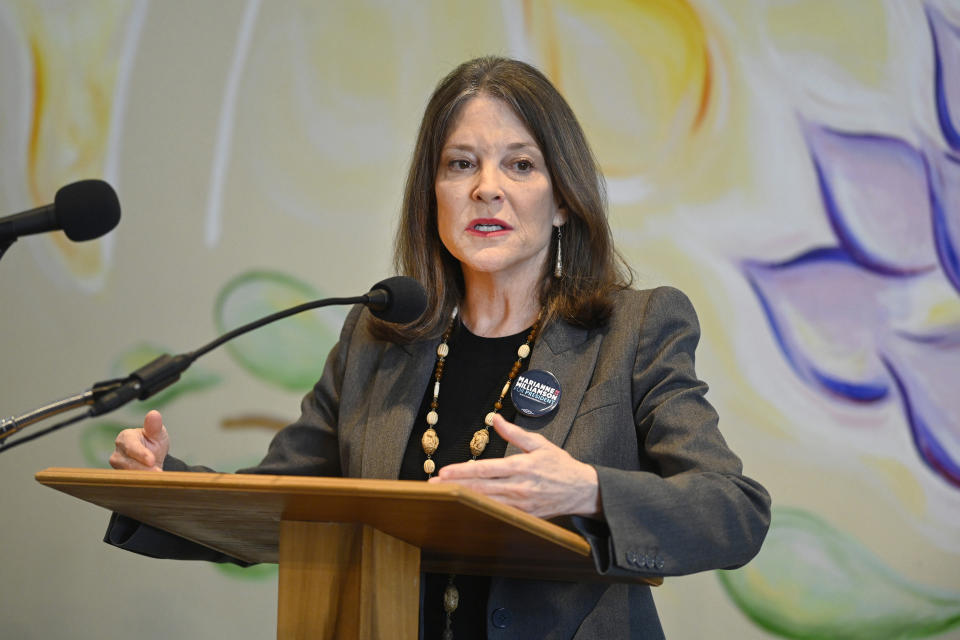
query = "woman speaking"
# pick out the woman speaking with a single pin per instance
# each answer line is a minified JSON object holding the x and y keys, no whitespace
{"x":537,"y":376}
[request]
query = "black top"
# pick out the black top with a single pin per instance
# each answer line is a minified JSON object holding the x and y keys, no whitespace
{"x":474,"y":373}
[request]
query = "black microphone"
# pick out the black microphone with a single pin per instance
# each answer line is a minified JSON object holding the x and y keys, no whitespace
{"x":83,"y":210}
{"x":397,"y":299}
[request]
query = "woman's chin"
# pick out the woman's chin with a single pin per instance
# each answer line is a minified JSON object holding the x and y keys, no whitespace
{"x":490,"y":267}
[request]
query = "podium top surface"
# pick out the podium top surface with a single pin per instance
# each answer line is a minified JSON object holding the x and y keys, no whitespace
{"x":456,"y":529}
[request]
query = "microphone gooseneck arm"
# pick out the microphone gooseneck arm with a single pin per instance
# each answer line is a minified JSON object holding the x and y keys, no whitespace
{"x":164,"y":370}
{"x":148,"y":380}
{"x":33,"y":436}
{"x":279,"y":315}
{"x":9,"y":426}
{"x":159,"y":373}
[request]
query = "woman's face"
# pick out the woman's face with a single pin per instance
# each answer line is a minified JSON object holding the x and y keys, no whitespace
{"x":495,"y":201}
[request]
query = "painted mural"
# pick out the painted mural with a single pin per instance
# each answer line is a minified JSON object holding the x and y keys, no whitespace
{"x":792,"y":165}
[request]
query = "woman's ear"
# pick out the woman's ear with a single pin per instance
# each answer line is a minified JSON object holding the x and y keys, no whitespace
{"x":560,"y":215}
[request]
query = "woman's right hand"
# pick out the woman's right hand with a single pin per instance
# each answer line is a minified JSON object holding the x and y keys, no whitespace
{"x":142,"y":449}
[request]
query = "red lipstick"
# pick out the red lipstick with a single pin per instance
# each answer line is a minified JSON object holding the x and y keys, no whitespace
{"x":488,"y":227}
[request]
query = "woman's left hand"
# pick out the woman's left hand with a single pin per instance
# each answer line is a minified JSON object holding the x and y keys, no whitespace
{"x":544,"y":480}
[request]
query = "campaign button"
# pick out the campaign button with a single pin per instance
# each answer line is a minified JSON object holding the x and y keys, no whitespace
{"x":535,"y":393}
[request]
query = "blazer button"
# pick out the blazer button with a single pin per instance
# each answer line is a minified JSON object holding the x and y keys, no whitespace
{"x":651,"y":563}
{"x":501,"y":618}
{"x":632,"y":558}
{"x":659,"y":562}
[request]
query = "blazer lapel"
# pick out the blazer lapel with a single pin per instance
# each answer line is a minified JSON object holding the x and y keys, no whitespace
{"x":570,"y":353}
{"x":395,"y":398}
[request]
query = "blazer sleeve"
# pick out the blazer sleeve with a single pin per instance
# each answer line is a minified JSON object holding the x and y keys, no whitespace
{"x":308,"y":446}
{"x":694,"y":510}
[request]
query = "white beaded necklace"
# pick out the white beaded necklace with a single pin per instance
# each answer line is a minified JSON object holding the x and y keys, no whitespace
{"x":430,"y":441}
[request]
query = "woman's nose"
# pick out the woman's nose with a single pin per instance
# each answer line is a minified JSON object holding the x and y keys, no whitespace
{"x":488,"y":187}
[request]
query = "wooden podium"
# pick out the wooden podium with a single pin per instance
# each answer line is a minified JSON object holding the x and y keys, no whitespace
{"x":350,"y":551}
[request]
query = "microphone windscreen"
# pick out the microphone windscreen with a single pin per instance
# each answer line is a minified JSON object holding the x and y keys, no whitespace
{"x":87,"y":209}
{"x":406,"y":300}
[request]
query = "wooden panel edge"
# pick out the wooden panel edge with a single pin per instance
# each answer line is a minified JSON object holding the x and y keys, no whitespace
{"x":64,"y":476}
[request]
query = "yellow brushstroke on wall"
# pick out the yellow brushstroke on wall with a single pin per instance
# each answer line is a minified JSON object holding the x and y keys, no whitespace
{"x":902,"y":482}
{"x":705,"y":90}
{"x":74,"y":55}
{"x":653,"y":53}
{"x":643,"y":77}
{"x":39,"y":96}
{"x":943,"y":313}
{"x":851,"y":35}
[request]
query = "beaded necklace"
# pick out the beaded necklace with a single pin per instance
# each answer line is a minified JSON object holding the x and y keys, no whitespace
{"x":430,"y":440}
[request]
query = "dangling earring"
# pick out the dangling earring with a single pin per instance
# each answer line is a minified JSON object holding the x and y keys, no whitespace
{"x":558,"y":267}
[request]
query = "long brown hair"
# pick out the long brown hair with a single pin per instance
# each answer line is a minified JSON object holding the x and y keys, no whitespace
{"x":593,"y":269}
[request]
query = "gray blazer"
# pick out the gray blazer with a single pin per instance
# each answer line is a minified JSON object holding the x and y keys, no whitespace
{"x":673,"y":495}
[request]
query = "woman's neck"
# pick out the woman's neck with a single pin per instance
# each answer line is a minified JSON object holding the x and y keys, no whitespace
{"x":493,"y":309}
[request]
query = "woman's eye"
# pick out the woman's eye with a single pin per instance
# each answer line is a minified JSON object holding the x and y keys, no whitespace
{"x":462,"y":165}
{"x":523,"y":165}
